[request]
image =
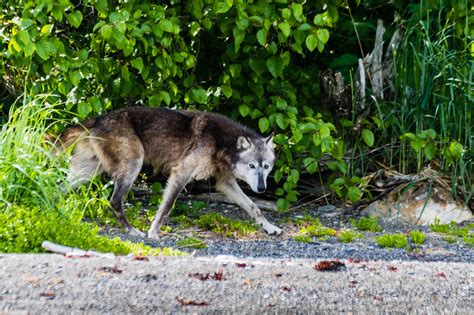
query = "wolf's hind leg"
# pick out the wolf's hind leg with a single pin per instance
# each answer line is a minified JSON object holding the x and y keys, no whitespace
{"x":175,"y":185}
{"x":122,"y":184}
{"x":232,"y":190}
{"x":121,"y":156}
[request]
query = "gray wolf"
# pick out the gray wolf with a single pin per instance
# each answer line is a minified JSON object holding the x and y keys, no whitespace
{"x":187,"y":145}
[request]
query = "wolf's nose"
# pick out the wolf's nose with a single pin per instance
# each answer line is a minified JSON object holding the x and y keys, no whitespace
{"x":260,"y":189}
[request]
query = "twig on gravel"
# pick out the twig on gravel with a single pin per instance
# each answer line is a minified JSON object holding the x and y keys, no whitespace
{"x":73,"y":252}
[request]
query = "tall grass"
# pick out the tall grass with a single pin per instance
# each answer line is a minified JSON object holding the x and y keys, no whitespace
{"x":29,"y":173}
{"x":434,"y":86}
{"x":433,"y":89}
{"x":35,"y":202}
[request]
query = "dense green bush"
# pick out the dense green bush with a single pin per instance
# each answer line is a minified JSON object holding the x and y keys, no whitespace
{"x":248,"y":59}
{"x":24,"y":228}
{"x":259,"y":62}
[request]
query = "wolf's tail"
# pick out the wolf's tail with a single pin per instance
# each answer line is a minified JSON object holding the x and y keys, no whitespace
{"x":70,"y":136}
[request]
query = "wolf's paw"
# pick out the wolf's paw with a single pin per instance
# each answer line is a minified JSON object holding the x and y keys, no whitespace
{"x":136,"y":232}
{"x":270,"y":228}
{"x":273,"y":230}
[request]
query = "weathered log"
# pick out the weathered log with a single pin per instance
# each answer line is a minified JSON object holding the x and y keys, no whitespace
{"x":72,"y":251}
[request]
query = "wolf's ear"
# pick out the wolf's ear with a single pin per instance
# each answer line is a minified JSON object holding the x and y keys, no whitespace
{"x":243,"y":143}
{"x":269,"y":141}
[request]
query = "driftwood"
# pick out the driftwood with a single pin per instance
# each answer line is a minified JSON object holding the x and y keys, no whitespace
{"x":378,"y":68}
{"x":217,"y":197}
{"x":72,"y":251}
{"x":212,"y":197}
{"x":335,"y":93}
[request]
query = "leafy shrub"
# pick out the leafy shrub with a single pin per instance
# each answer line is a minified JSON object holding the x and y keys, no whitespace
{"x":316,"y":229}
{"x":249,"y":60}
{"x":367,"y":224}
{"x":303,"y":239}
{"x":392,"y":240}
{"x":417,"y":237}
{"x":24,"y":228}
{"x":347,"y":236}
{"x":454,"y":232}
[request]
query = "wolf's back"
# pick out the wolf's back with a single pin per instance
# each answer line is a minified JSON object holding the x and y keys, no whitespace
{"x":70,"y":135}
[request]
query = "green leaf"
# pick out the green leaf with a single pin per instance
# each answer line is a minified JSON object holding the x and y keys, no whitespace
{"x":83,"y":109}
{"x":74,"y":19}
{"x":297,"y":11}
{"x":44,"y":48}
{"x":239,"y":36}
{"x":339,"y":182}
{"x":430,"y":133}
{"x":279,"y":192}
{"x":165,"y":96}
{"x":26,"y":23}
{"x":286,"y":14}
{"x":166,"y":25}
{"x":285,"y":28}
{"x":106,"y":31}
{"x":291,"y":196}
{"x":311,"y":42}
{"x":277,"y":176}
{"x":262,"y":36}
{"x":282,"y":204}
{"x":258,"y":66}
{"x":46,"y":29}
{"x":235,"y":70}
{"x":294,"y":176}
{"x":281,"y":121}
{"x":324,"y":131}
{"x":281,"y":104}
{"x":244,"y":110}
{"x":24,"y":37}
{"x":430,"y":150}
{"x":199,"y":95}
{"x":456,"y":150}
{"x":368,"y":137}
{"x":353,"y":194}
{"x":263,"y":124}
{"x":417,"y":144}
{"x":227,"y":90}
{"x":137,"y":64}
{"x":75,"y":77}
{"x":323,"y":35}
{"x":242,"y":24}
{"x":275,"y":65}
{"x":311,"y":165}
{"x":222,"y":6}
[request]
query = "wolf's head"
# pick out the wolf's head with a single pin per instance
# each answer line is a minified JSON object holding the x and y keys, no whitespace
{"x":254,"y":161}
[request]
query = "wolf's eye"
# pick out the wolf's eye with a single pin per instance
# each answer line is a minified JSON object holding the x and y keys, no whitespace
{"x":266,"y":166}
{"x":251,"y":166}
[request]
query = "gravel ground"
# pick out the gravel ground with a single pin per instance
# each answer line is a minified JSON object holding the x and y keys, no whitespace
{"x":254,"y":274}
{"x":259,"y":244}
{"x":51,"y":283}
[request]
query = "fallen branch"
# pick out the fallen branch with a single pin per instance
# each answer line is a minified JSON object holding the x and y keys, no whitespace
{"x":73,"y":252}
{"x":219,"y":198}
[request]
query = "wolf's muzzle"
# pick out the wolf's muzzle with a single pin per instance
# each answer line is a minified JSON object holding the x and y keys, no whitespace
{"x":260,"y":185}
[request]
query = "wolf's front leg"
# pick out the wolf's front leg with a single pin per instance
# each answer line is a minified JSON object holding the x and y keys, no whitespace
{"x":175,"y":185}
{"x":232,"y":190}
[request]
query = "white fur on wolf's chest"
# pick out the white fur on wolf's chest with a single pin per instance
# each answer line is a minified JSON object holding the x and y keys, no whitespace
{"x":199,"y":162}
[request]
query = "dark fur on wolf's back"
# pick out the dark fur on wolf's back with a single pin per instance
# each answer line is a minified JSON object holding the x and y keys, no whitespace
{"x":188,"y":145}
{"x":173,"y":129}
